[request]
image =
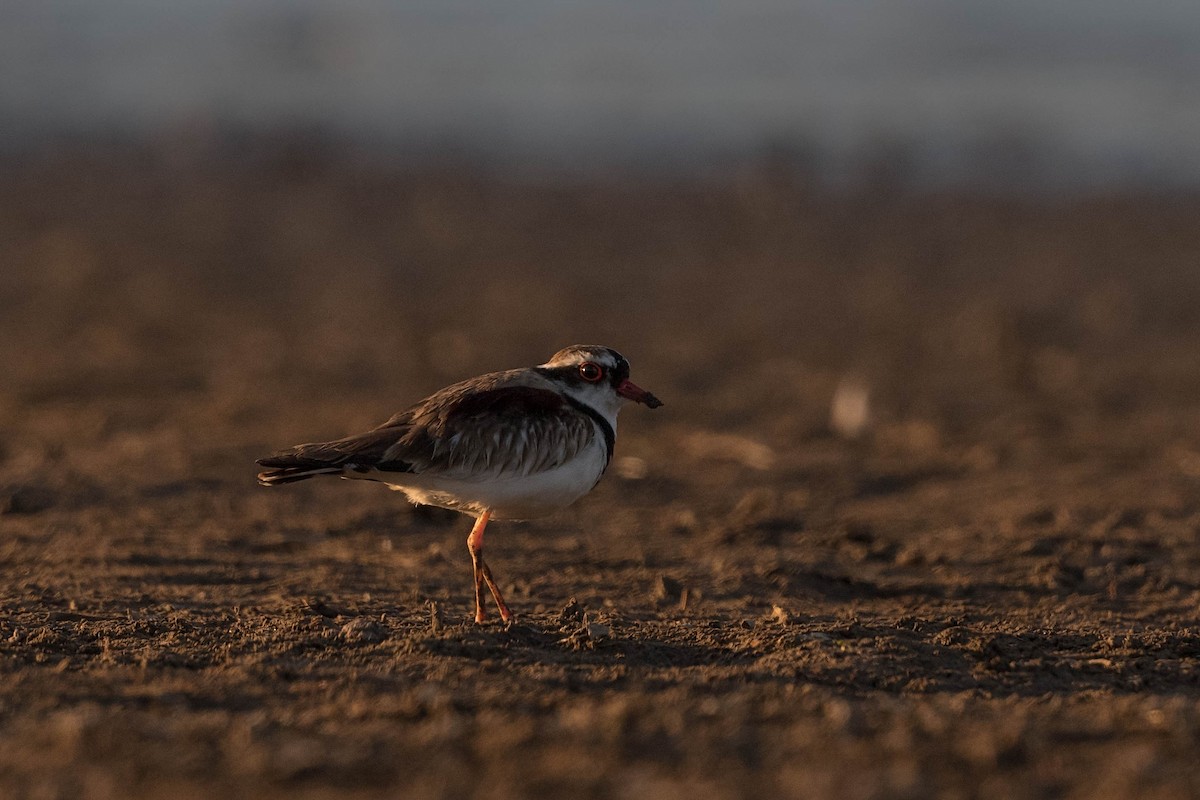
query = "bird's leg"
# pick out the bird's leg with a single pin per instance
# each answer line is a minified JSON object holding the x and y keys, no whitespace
{"x":475,"y":545}
{"x":482,"y":573}
{"x":505,"y":614}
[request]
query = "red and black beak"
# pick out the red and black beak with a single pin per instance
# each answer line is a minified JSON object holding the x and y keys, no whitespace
{"x":631,"y":391}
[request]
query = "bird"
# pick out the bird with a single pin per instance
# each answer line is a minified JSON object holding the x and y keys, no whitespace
{"x":510,"y":445}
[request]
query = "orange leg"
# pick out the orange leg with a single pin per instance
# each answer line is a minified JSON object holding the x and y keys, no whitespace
{"x":483,"y":575}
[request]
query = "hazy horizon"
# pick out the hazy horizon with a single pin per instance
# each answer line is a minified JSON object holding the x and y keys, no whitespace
{"x":1062,"y":93}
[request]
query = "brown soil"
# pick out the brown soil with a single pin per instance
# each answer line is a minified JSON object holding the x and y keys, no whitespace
{"x":990,"y":590}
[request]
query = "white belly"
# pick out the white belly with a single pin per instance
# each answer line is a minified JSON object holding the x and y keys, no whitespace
{"x":509,"y":497}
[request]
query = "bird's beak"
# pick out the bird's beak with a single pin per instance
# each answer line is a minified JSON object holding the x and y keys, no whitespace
{"x":631,"y":391}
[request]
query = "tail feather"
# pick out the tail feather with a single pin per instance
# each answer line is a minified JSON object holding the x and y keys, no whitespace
{"x":290,"y":466}
{"x":354,"y":453}
{"x":282,"y":475}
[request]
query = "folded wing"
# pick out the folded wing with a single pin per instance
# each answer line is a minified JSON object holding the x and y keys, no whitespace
{"x":466,"y":433}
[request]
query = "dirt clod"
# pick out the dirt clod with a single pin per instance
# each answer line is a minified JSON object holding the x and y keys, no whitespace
{"x":363,"y":631}
{"x":598,"y":631}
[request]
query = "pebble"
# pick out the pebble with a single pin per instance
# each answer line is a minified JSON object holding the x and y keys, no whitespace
{"x":363,"y":630}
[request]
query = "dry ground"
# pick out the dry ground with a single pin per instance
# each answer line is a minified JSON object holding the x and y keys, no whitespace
{"x":990,"y":592}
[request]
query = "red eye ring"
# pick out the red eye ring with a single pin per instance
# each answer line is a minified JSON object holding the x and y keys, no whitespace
{"x":591,"y":372}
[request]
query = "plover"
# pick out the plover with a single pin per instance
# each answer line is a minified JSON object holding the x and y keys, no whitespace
{"x":516,"y":444}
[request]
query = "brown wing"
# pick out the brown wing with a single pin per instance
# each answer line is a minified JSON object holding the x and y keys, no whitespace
{"x":471,"y":432}
{"x":476,"y":429}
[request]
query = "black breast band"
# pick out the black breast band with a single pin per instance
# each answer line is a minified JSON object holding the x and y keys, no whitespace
{"x":610,"y":436}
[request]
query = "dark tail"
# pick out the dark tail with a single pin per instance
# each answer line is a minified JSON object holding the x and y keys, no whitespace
{"x":281,"y":475}
{"x":355,"y":453}
{"x":294,"y":465}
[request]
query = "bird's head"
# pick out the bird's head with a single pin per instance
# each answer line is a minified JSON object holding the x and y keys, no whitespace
{"x":597,"y":376}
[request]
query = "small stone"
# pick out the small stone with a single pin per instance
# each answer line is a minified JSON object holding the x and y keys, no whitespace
{"x":597,"y":631}
{"x":953,"y":636}
{"x":363,"y":631}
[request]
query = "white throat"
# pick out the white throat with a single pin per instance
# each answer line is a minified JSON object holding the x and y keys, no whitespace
{"x":601,"y":399}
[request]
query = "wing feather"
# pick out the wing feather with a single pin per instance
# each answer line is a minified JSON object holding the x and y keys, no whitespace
{"x":488,"y":432}
{"x":489,"y":427}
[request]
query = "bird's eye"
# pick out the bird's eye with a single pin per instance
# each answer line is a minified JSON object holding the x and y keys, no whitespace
{"x":590,"y":372}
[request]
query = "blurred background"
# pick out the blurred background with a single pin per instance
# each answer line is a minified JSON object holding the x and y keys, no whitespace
{"x":245,"y":193}
{"x":1021,"y":94}
{"x":980,"y":215}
